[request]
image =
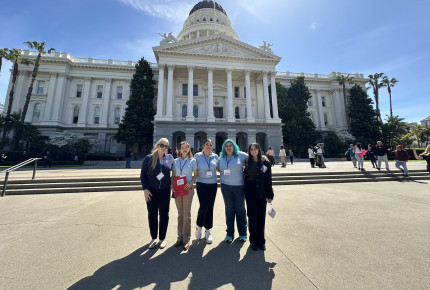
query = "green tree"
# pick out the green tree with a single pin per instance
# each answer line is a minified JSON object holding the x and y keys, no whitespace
{"x":375,"y":84}
{"x":299,"y":130}
{"x":136,"y":126}
{"x":3,"y":54}
{"x":393,"y":130}
{"x":40,"y":47}
{"x":343,"y":80}
{"x":389,"y":84}
{"x":364,"y":123}
{"x":418,"y":132}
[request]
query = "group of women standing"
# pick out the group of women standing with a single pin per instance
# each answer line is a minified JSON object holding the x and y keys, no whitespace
{"x":243,"y":177}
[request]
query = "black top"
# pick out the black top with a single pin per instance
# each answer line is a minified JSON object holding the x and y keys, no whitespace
{"x":254,"y":176}
{"x":207,"y":4}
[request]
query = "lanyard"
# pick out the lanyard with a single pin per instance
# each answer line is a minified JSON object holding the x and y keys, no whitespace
{"x":182,"y":167}
{"x":228,"y":160}
{"x":161,"y":164}
{"x":208,"y":162}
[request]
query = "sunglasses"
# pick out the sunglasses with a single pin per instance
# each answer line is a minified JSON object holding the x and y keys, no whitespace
{"x":163,"y":146}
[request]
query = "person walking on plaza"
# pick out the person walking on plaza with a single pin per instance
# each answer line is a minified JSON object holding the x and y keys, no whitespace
{"x":47,"y":159}
{"x":381,"y":153}
{"x":230,"y":166}
{"x":185,"y":165}
{"x":320,"y":155}
{"x":359,"y":155}
{"x":258,"y":191}
{"x":351,"y":153}
{"x":282,"y":155}
{"x":271,"y":155}
{"x":128,"y":156}
{"x":311,"y":154}
{"x":206,"y":189}
{"x":155,"y":179}
{"x":402,"y":157}
{"x":425,"y":155}
{"x":291,"y":154}
{"x":371,"y":153}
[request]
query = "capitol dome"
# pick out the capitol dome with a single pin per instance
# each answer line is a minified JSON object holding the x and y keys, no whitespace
{"x":204,"y":20}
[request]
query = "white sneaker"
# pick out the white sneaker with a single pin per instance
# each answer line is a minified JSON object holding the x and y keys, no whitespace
{"x":152,"y":243}
{"x":162,"y":244}
{"x":208,"y":237}
{"x":198,"y":233}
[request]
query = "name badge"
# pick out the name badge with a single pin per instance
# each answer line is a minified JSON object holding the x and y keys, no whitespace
{"x":180,"y":182}
{"x":208,"y":173}
{"x":160,"y":176}
{"x":264,"y":168}
{"x":226,"y":171}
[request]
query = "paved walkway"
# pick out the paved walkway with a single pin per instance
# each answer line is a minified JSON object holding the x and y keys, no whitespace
{"x":331,"y":236}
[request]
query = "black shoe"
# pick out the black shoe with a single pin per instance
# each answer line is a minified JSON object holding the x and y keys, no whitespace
{"x":378,"y":168}
{"x":362,"y":169}
{"x":262,"y":247}
{"x":255,"y":248}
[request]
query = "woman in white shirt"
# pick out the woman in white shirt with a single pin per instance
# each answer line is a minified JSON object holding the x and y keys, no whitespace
{"x":360,"y":159}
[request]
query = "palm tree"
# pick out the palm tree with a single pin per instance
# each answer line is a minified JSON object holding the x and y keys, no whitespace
{"x":375,"y":84}
{"x":389,"y":84}
{"x":40,"y":47}
{"x":342,"y":81}
{"x":3,"y":53}
{"x":426,"y":132}
{"x":418,"y":132}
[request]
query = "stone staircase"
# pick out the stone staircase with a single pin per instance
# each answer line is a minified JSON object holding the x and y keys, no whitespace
{"x":51,"y":186}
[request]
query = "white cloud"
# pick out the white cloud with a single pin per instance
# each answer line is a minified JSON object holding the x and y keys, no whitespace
{"x":165,"y":9}
{"x":313,"y":26}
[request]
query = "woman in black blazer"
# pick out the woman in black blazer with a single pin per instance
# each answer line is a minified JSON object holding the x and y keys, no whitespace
{"x":258,"y":191}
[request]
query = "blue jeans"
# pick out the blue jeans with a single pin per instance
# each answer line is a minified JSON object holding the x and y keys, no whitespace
{"x":403,"y":164}
{"x":128,"y":163}
{"x":234,"y":200}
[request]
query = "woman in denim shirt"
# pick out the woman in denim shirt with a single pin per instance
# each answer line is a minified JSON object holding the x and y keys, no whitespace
{"x":230,"y":166}
{"x":185,"y":165}
{"x":155,"y":179}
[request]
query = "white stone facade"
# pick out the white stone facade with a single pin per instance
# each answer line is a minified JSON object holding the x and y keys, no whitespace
{"x":209,"y":84}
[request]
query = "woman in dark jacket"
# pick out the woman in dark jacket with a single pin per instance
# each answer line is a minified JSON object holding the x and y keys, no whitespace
{"x":258,"y":191}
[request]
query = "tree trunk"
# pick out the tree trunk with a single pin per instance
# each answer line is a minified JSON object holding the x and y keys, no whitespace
{"x":11,"y":93}
{"x":30,"y":88}
{"x":391,"y":107}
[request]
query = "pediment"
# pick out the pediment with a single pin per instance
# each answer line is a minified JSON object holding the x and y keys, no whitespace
{"x":216,"y":46}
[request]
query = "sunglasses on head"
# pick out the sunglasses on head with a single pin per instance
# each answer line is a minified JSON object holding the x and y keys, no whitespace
{"x":163,"y":146}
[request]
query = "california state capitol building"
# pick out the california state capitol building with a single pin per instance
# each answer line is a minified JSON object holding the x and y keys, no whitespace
{"x":209,"y":84}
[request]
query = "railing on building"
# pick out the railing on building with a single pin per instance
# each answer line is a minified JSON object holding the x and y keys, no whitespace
{"x":10,"y":169}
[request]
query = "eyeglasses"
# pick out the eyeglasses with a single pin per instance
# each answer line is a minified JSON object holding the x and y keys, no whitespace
{"x":163,"y":145}
{"x":253,"y":149}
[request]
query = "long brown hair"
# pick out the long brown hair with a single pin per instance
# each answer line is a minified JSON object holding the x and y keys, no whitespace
{"x":154,"y":152}
{"x":251,"y":158}
{"x":190,"y":154}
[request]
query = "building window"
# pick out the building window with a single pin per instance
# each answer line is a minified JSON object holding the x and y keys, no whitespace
{"x":236,"y":92}
{"x":97,"y":115}
{"x":75,"y":114}
{"x":325,"y":119}
{"x":40,"y":87}
{"x":99,"y":92}
{"x":196,"y":111}
{"x":79,"y":89}
{"x":244,"y":92}
{"x":184,"y":89}
{"x":323,"y":101}
{"x":310,"y":102}
{"x":237,"y":113}
{"x":119,"y":92}
{"x":218,"y":112}
{"x":36,"y":112}
{"x":195,"y":90}
{"x":117,"y":115}
{"x":246,"y":113}
{"x":184,"y":111}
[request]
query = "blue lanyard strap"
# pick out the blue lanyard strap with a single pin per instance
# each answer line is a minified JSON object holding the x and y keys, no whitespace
{"x":182,"y":167}
{"x":161,"y":164}
{"x":228,"y":160}
{"x":209,"y":162}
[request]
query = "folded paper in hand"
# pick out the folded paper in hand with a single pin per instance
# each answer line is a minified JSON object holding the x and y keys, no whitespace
{"x":272,"y":212}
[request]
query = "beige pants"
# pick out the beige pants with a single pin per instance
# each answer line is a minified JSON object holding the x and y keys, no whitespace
{"x":283,"y":161}
{"x":183,"y":204}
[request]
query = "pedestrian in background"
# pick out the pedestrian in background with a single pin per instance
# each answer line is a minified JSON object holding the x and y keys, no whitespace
{"x":402,"y":158}
{"x":381,"y":153}
{"x":128,"y":156}
{"x":282,"y":155}
{"x":351,"y":153}
{"x":271,"y":155}
{"x":371,"y":154}
{"x":311,"y":154}
{"x":291,"y":154}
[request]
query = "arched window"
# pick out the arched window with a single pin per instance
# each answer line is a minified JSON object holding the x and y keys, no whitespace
{"x":36,"y":112}
{"x":204,"y":19}
{"x":237,"y":113}
{"x":117,"y":115}
{"x":75,"y":114}
{"x":184,"y":111}
{"x":97,"y":115}
{"x":246,"y":113}
{"x":196,"y":111}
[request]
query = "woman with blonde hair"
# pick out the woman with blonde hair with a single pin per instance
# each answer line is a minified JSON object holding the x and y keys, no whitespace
{"x":425,"y":155}
{"x":185,"y":165}
{"x":155,"y":179}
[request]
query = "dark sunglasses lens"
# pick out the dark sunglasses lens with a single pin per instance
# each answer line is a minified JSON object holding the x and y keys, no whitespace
{"x":163,"y":146}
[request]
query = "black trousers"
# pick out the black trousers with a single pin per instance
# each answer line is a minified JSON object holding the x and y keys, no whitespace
{"x":158,"y":205}
{"x":256,"y":209}
{"x":206,"y":194}
{"x":291,"y":158}
{"x":312,"y":160}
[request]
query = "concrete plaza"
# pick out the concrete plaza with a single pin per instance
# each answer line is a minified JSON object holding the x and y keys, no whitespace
{"x":325,"y":236}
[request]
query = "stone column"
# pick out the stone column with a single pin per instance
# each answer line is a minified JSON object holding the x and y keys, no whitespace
{"x":160,"y":95}
{"x":59,"y":96}
{"x":190,"y":104}
{"x":106,"y":103}
{"x":50,"y":97}
{"x":338,"y":106}
{"x":266,"y":97}
{"x":274,"y":95}
{"x":210,"y":105}
{"x":320,"y":112}
{"x":249,"y":118}
{"x":230,"y":117}
{"x":83,"y":109}
{"x":170,"y":92}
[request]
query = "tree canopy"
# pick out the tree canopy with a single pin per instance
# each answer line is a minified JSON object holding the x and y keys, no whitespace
{"x":136,"y":126}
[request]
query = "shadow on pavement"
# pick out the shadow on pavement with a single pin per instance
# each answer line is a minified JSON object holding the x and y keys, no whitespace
{"x":220,"y":266}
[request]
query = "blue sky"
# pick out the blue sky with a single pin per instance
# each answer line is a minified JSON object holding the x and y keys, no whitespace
{"x":311,"y":36}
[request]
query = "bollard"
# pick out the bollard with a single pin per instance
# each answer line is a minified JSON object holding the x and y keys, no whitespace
{"x":5,"y":184}
{"x":34,"y":170}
